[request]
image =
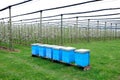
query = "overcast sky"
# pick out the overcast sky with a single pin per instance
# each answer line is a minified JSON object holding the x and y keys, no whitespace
{"x":44,"y":4}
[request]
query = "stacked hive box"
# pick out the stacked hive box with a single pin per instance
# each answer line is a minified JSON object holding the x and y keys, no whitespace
{"x":35,"y":49}
{"x":82,"y":57}
{"x":49,"y":51}
{"x":57,"y":53}
{"x":42,"y":50}
{"x":68,"y":54}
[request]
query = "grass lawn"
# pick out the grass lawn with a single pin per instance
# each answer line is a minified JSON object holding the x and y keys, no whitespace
{"x":105,"y":62}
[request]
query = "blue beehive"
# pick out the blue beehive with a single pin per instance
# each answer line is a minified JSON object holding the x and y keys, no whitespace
{"x":35,"y":49}
{"x":82,"y":57}
{"x":57,"y":54}
{"x":42,"y":50}
{"x":49,"y":51}
{"x":68,"y":54}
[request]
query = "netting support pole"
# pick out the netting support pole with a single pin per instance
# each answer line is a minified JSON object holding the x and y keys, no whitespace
{"x":40,"y":28}
{"x":10,"y":30}
{"x":97,"y":30}
{"x":61,"y":27}
{"x":88,"y":31}
{"x":115,"y":31}
{"x":105,"y":31}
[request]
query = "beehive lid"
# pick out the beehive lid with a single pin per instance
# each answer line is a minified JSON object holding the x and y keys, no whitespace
{"x":68,"y":48}
{"x":45,"y":45}
{"x":41,"y":45}
{"x":49,"y":46}
{"x":57,"y":47}
{"x":82,"y":50}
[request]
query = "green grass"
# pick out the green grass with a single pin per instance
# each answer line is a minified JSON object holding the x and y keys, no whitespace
{"x":105,"y":62}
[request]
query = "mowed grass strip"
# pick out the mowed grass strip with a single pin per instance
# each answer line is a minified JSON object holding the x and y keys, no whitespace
{"x":104,"y":60}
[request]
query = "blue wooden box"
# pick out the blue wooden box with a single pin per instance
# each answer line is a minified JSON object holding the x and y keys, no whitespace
{"x":82,"y":57}
{"x":35,"y":49}
{"x":68,"y":54}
